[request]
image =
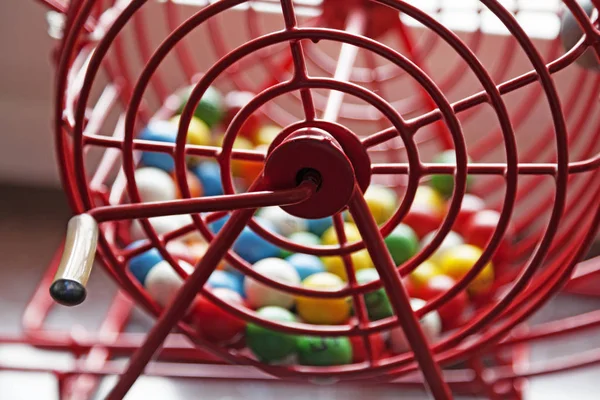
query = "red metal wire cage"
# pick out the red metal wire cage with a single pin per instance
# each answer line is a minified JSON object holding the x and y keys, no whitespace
{"x":360,"y":75}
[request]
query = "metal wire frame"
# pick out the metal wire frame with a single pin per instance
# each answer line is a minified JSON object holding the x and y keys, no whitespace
{"x":517,"y":303}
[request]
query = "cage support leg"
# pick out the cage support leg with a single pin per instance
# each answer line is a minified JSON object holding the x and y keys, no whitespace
{"x":397,"y":295}
{"x":171,"y":315}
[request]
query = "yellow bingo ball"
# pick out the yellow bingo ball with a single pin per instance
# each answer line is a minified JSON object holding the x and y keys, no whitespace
{"x":424,"y":272}
{"x":266,"y":134}
{"x":427,"y":196}
{"x":360,"y":260}
{"x":237,"y":166}
{"x":198,"y":132}
{"x":352,"y":234}
{"x":323,"y":311}
{"x":456,"y":262}
{"x":382,"y":202}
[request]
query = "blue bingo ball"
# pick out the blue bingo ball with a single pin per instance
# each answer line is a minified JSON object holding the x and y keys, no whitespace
{"x":306,"y":264}
{"x":159,"y":131}
{"x":251,"y":247}
{"x":216,"y":226}
{"x":209,"y":174}
{"x":227,"y":280}
{"x":140,"y":265}
{"x":319,"y":226}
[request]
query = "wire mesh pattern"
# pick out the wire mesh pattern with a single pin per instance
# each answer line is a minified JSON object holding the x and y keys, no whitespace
{"x":379,"y":84}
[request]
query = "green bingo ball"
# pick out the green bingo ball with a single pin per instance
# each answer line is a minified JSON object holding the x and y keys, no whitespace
{"x":210,"y":107}
{"x":444,"y":183}
{"x":269,"y":345}
{"x":324,"y":351}
{"x":377,"y":302}
{"x":303,"y":238}
{"x":402,"y":243}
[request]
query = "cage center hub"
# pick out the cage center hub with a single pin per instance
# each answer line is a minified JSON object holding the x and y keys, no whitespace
{"x":336,"y":155}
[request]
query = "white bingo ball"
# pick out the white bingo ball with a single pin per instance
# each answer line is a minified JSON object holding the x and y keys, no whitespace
{"x":451,"y":240}
{"x":165,"y":224}
{"x":154,"y":184}
{"x":284,"y":223}
{"x":259,"y":295}
{"x":431,"y":324}
{"x":162,"y":282}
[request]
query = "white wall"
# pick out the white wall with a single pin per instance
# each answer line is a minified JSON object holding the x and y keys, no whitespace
{"x":26,"y":146}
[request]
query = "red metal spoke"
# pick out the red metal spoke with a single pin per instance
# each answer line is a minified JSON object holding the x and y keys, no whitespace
{"x":397,"y":295}
{"x":358,"y":301}
{"x":300,"y":72}
{"x":171,"y":315}
{"x":203,"y":204}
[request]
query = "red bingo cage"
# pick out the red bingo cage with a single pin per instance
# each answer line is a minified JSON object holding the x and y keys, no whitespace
{"x":362,"y":93}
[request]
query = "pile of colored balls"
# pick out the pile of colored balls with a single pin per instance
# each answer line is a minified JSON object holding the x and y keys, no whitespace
{"x":454,"y":257}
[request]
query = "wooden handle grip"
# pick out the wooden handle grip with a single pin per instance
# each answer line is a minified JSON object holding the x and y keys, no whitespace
{"x":68,"y":287}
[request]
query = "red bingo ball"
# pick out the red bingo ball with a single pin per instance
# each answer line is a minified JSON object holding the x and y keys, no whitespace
{"x":480,"y":229}
{"x":423,"y":219}
{"x":234,"y":101}
{"x":214,"y":323}
{"x":359,"y":351}
{"x":453,"y":312}
{"x":469,"y":206}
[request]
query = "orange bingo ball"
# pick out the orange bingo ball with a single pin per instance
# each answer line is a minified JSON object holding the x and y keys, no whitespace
{"x":193,"y":184}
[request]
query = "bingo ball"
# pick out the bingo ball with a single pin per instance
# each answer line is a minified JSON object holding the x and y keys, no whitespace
{"x":351,"y":230}
{"x":306,"y":264}
{"x":140,"y":265}
{"x":458,"y":261}
{"x":419,"y":277}
{"x":324,"y":351}
{"x":330,"y":311}
{"x":571,"y":32}
{"x":431,"y":325}
{"x":154,"y":184}
{"x":382,"y":202}
{"x":159,"y":131}
{"x":212,"y":322}
{"x":234,"y":101}
{"x":335,"y":264}
{"x":216,"y":226}
{"x":163,"y":225}
{"x":452,"y":239}
{"x":453,"y":312}
{"x":163,"y":282}
{"x":302,"y":238}
{"x":359,"y":350}
{"x":479,"y":231}
{"x":319,"y":226}
{"x":240,"y":143}
{"x":469,"y":206}
{"x":210,"y":107}
{"x":285,"y":224}
{"x":402,"y":243}
{"x":198,"y":132}
{"x":444,"y":183}
{"x":251,"y":247}
{"x":423,"y":220}
{"x":267,"y":134}
{"x":377,"y":302}
{"x":260,"y":295}
{"x":429,"y":198}
{"x":209,"y":174}
{"x":269,"y":345}
{"x":193,"y":182}
{"x":227,"y":280}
